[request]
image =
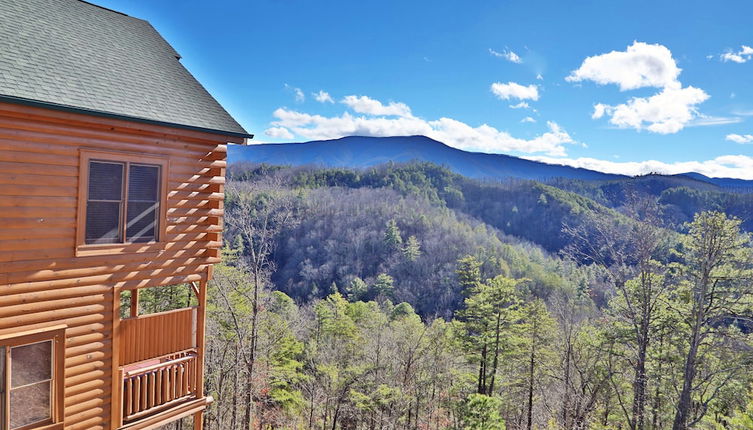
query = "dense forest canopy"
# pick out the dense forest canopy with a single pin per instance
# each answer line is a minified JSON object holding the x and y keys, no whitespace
{"x":409,"y":297}
{"x":507,"y":205}
{"x":345,"y":219}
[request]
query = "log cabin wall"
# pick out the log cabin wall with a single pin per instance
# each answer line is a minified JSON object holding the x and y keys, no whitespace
{"x":42,"y":280}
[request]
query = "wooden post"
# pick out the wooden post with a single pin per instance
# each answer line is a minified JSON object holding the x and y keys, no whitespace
{"x":7,"y":384}
{"x":201,"y":314}
{"x":135,"y":303}
{"x":116,"y":394}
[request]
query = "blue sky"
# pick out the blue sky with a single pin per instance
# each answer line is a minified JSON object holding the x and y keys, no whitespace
{"x":627,"y":86}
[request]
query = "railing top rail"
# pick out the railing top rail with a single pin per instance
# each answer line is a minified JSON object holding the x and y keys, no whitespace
{"x":167,"y":357}
{"x":153,"y":367}
{"x":158,"y":314}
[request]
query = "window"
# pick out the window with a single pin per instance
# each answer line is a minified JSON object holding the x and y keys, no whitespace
{"x":121,"y":199}
{"x":31,"y":373}
{"x":122,"y":203}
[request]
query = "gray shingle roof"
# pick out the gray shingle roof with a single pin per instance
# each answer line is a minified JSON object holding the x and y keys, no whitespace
{"x":70,"y":53}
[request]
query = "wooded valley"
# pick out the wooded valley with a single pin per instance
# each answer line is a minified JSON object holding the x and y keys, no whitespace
{"x":409,"y":297}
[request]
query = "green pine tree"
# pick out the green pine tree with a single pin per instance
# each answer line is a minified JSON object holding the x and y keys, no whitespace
{"x":412,"y":249}
{"x":383,"y":285}
{"x":469,"y":274}
{"x":392,"y":237}
{"x":481,"y":412}
{"x":357,"y":289}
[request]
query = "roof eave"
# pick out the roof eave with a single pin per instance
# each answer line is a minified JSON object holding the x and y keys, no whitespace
{"x":74,"y":109}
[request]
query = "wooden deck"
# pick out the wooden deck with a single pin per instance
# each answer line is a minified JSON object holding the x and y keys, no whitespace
{"x":170,"y":381}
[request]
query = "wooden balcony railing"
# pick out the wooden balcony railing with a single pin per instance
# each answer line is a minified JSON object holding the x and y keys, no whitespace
{"x":155,"y":387}
{"x":157,"y":335}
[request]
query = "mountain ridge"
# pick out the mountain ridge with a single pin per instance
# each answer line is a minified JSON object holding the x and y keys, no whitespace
{"x":364,"y":151}
{"x":367,"y":151}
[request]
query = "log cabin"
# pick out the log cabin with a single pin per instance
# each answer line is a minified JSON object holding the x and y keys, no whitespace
{"x":112,"y":163}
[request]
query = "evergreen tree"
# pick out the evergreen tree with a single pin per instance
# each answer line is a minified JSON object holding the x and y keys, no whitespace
{"x":538,"y":334}
{"x":469,"y":274}
{"x":488,"y":314}
{"x":412,"y":249}
{"x":742,"y":419}
{"x":283,"y":353}
{"x":357,"y":289}
{"x":383,"y":285}
{"x":481,"y":412}
{"x":715,"y":287}
{"x":392,"y":238}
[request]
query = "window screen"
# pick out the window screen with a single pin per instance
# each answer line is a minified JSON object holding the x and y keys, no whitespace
{"x":143,"y":203}
{"x":30,"y":383}
{"x":123,"y":202}
{"x":105,"y":202}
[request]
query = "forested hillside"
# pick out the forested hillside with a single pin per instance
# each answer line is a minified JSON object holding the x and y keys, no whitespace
{"x":679,"y":197}
{"x":529,"y":210}
{"x":411,"y":222}
{"x":409,"y":297}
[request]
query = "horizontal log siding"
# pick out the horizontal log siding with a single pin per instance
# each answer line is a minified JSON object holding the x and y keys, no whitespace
{"x":41,"y":280}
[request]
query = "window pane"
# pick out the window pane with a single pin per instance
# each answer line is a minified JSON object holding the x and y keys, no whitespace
{"x":105,"y":181}
{"x":103,"y":222}
{"x":30,"y":404}
{"x":31,"y":363}
{"x":143,"y":182}
{"x":142,"y":221}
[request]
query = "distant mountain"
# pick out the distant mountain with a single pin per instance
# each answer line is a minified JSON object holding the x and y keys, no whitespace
{"x":728,"y":183}
{"x":360,"y":152}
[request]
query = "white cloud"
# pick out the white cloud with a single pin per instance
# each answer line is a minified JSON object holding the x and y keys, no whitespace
{"x":742,"y":56}
{"x":600,"y":109}
{"x":488,"y":139}
{"x":483,"y":138}
{"x":528,"y":119}
{"x":507,"y":55}
{"x":666,"y":112}
{"x":641,"y":65}
{"x":726,"y":166}
{"x":644,"y":65}
{"x":704,"y":120}
{"x":300,"y":97}
{"x":521,"y":105}
{"x":323,"y":97}
{"x":369,"y":106}
{"x":515,"y":91}
{"x":279,"y":133}
{"x":740,"y":138}
{"x":735,"y":58}
{"x":539,"y":76}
